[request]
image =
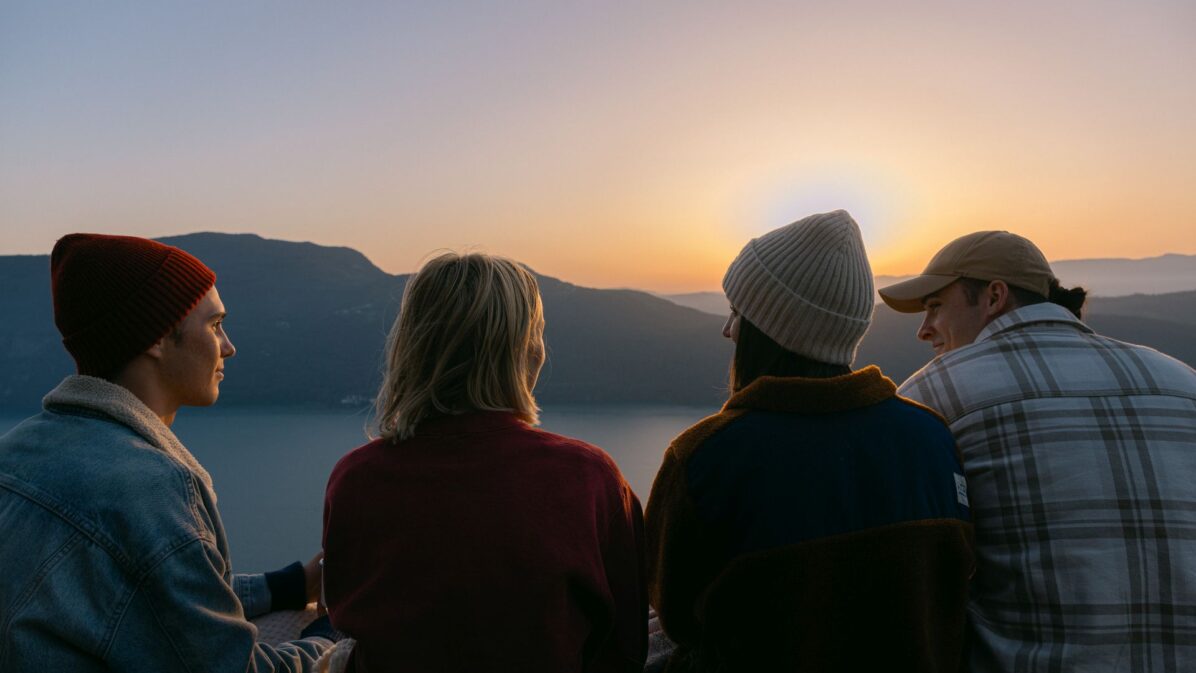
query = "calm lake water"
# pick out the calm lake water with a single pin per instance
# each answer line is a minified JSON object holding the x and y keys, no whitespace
{"x":270,"y":466}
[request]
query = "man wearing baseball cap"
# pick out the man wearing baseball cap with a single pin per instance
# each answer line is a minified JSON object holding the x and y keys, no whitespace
{"x":1080,"y":453}
{"x":114,"y":555}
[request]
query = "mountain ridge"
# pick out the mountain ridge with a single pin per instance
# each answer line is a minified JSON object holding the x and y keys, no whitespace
{"x":310,"y":322}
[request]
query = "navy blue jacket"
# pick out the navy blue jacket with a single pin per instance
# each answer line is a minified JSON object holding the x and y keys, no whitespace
{"x":813,"y":524}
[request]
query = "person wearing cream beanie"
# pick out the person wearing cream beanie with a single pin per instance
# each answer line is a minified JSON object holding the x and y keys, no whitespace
{"x":819,"y":521}
{"x":808,"y":286}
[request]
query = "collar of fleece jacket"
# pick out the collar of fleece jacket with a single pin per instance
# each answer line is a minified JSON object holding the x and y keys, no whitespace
{"x":792,"y":394}
{"x":861,"y":388}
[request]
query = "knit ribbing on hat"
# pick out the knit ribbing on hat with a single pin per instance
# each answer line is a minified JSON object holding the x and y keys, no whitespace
{"x":808,"y":286}
{"x":115,"y":296}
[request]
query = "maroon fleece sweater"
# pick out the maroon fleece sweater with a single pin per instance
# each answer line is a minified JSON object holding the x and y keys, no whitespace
{"x":484,"y":544}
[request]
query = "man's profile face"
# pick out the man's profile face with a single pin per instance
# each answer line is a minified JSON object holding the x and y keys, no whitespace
{"x":950,"y":321}
{"x":193,"y":363}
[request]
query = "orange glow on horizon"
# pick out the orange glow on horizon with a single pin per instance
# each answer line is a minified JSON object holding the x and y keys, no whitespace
{"x":607,"y":145}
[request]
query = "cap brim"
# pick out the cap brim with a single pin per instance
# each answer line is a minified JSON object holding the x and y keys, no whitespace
{"x":907,"y":295}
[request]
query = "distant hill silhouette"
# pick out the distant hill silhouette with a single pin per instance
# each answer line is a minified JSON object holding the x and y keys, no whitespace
{"x":1101,"y":277}
{"x":309,"y":324}
{"x":1177,"y":307}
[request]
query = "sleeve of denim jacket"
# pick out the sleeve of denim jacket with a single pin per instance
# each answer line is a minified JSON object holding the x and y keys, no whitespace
{"x":254,"y":593}
{"x":184,"y":616}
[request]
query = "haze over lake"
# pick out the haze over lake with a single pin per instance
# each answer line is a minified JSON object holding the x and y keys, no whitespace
{"x":270,"y":465}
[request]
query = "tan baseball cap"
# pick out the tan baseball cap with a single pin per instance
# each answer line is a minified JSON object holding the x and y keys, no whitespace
{"x":984,"y":255}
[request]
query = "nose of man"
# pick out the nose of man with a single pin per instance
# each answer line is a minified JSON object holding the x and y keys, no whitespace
{"x":925,"y":331}
{"x":227,"y":349}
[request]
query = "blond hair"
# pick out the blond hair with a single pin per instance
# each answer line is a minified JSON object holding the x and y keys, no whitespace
{"x":467,"y":338}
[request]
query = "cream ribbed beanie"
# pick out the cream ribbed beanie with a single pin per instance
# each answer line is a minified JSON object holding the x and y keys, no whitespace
{"x":808,"y":286}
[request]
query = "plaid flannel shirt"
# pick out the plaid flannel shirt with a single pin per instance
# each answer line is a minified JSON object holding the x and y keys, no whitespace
{"x":1080,"y":453}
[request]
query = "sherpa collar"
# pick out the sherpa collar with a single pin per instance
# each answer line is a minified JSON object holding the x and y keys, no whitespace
{"x":119,"y":404}
{"x":792,"y":394}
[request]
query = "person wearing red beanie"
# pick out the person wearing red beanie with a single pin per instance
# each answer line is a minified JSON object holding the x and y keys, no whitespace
{"x":123,"y":563}
{"x":115,"y":296}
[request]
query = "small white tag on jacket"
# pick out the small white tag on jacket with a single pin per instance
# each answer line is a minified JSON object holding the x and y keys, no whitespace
{"x":961,"y":490}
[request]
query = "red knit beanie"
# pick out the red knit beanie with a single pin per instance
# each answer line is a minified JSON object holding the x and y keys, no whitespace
{"x":115,"y":296}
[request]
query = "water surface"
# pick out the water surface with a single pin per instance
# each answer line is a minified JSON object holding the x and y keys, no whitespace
{"x":270,"y":465}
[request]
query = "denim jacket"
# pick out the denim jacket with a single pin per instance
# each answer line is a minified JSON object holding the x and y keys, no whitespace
{"x":114,"y":557}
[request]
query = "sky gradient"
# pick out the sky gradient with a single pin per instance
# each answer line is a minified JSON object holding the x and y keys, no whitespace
{"x":608,"y":144}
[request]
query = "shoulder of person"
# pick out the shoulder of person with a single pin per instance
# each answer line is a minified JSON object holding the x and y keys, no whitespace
{"x":686,"y":443}
{"x":917,"y":409}
{"x":580,"y":452}
{"x":128,"y":494}
{"x":361,"y":457}
{"x":973,"y":370}
{"x":1174,"y":373}
{"x":101,"y":455}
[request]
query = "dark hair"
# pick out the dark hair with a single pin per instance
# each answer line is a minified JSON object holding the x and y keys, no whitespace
{"x":756,"y":355}
{"x":1071,"y":299}
{"x":175,"y":335}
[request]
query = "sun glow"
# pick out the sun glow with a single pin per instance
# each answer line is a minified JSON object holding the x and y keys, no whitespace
{"x":611,"y":146}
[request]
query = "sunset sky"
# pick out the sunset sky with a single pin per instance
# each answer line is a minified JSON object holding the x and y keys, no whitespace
{"x":610,"y":144}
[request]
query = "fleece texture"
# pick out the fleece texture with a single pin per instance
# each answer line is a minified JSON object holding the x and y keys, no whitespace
{"x":812,"y":525}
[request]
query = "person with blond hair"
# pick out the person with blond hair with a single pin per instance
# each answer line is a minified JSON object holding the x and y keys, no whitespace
{"x":463,"y":538}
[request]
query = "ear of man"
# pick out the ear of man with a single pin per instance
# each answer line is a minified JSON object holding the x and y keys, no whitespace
{"x":998,"y":300}
{"x":175,"y":336}
{"x":155,"y":351}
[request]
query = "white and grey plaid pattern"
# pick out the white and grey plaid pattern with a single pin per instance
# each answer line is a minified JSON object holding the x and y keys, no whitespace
{"x":1080,"y":453}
